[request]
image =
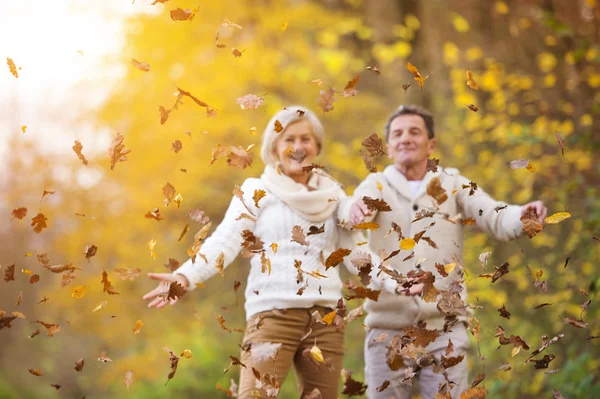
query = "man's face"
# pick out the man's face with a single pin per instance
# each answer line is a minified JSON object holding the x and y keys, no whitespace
{"x":408,"y":142}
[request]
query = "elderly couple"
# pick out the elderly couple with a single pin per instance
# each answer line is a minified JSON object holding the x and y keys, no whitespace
{"x":289,"y":281}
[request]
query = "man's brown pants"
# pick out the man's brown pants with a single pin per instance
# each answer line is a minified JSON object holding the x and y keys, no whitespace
{"x":289,"y":327}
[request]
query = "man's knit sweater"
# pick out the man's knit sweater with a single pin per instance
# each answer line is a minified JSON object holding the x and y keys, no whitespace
{"x":495,"y":218}
{"x":274,"y":223}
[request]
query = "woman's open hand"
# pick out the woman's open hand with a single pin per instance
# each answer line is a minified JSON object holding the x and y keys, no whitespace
{"x":158,"y":296}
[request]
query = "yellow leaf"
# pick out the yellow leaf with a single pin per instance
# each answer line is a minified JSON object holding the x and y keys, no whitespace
{"x":516,"y":350}
{"x":28,"y":254}
{"x":557,"y":217}
{"x":177,"y":200}
{"x":284,"y":26}
{"x":151,"y":245}
{"x":530,"y":167}
{"x":379,"y":186}
{"x":407,"y":243}
{"x":253,"y":130}
{"x":27,"y":271}
{"x":138,"y":326}
{"x":449,"y":267}
{"x":19,"y":315}
{"x":24,"y":128}
{"x":501,"y":7}
{"x":274,"y":247}
{"x":329,"y":317}
{"x":316,"y":353}
{"x":186,"y":353}
{"x":460,"y":23}
{"x":78,"y":291}
{"x":101,"y":305}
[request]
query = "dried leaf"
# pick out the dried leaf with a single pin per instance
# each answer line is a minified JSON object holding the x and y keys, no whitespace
{"x":128,"y":379}
{"x":250,"y":101}
{"x":417,"y":76}
{"x":79,"y":365}
{"x":336,"y":257}
{"x":298,"y":236}
{"x":366,"y":226}
{"x":435,"y":189}
{"x":350,"y":90}
{"x":326,"y":100}
{"x":12,"y":67}
{"x":141,"y":65}
{"x":374,"y":144}
{"x":9,"y":273}
{"x":239,"y":157}
{"x":174,"y":359}
{"x":183,"y":14}
{"x":557,"y":217}
{"x":470,"y":82}
{"x":78,"y":291}
{"x":531,"y":224}
{"x":117,"y":151}
{"x":39,"y":222}
{"x":127,"y":273}
{"x":107,"y":286}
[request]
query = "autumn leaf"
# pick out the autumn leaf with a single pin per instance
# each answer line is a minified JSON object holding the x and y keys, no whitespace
{"x":197,"y":215}
{"x":470,"y":82}
{"x":352,"y":387}
{"x":168,"y":193}
{"x":155,"y":214}
{"x":138,"y":326}
{"x":336,"y":257}
{"x":474,"y":393}
{"x":39,"y":222}
{"x":239,"y":157}
{"x":435,"y":189}
{"x":117,"y":151}
{"x":374,"y":144}
{"x":531,"y":224}
{"x":278,"y":127}
{"x":407,"y":244}
{"x":79,"y":365}
{"x":77,"y":148}
{"x":78,"y":291}
{"x":417,"y":76}
{"x":405,"y":87}
{"x":258,"y":195}
{"x":376,"y":204}
{"x":500,"y":271}
{"x":575,"y":323}
{"x":374,"y":69}
{"x":141,"y":65}
{"x":361,"y":292}
{"x":36,"y":372}
{"x":366,"y":226}
{"x":472,"y":107}
{"x":12,"y":67}
{"x":432,"y":165}
{"x":298,"y":236}
{"x":250,"y":101}
{"x":314,"y":230}
{"x":128,"y":379}
{"x":9,"y":273}
{"x":519,"y":163}
{"x":264,"y":351}
{"x":151,"y":245}
{"x":51,"y":328}
{"x":326,"y":100}
{"x":107,"y":286}
{"x":90,"y":251}
{"x":368,"y":160}
{"x":218,"y":152}
{"x":103,"y":358}
{"x":176,"y":291}
{"x":561,"y":143}
{"x":177,"y":146}
{"x":19,"y":213}
{"x":174,"y":359}
{"x":221,"y":321}
{"x":183,"y":14}
{"x":101,"y":305}
{"x":127,"y":273}
{"x":557,"y":217}
{"x":350,"y":90}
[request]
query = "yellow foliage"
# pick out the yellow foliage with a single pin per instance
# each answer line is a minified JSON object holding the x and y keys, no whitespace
{"x":451,"y":53}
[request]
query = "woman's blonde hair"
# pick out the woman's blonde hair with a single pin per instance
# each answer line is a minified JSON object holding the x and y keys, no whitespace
{"x":288,"y":116}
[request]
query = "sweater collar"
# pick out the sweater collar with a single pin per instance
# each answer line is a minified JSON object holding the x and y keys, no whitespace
{"x":397,"y":180}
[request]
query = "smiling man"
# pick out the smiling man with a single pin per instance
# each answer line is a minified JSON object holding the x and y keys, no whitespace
{"x":435,"y":224}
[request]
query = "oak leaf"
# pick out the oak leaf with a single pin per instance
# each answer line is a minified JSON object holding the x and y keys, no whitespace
{"x":250,"y":101}
{"x":77,"y":148}
{"x":39,"y":222}
{"x":336,"y":257}
{"x":117,"y":151}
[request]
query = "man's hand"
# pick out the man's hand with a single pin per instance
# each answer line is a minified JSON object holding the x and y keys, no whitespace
{"x":536,"y":206}
{"x":358,"y":212}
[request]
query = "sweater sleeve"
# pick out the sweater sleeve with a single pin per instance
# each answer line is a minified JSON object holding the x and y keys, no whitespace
{"x":226,"y":239}
{"x":496,"y":218}
{"x":367,"y":188}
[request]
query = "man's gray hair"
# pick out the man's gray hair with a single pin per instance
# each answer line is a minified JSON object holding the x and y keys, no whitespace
{"x":412,"y":109}
{"x":287,"y":117}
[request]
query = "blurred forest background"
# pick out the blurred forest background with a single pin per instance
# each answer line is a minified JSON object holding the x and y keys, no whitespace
{"x":536,"y":64}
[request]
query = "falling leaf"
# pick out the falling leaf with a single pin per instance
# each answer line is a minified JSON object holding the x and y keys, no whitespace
{"x":151,"y":245}
{"x":36,"y":372}
{"x":407,"y":244}
{"x":376,"y":204}
{"x":561,"y":143}
{"x":155,"y":214}
{"x":326,"y":100}
{"x":77,"y":148}
{"x":520,"y":163}
{"x":435,"y":190}
{"x":531,"y":224}
{"x":351,"y":386}
{"x":472,"y":107}
{"x":350,"y":90}
{"x":417,"y":76}
{"x":366,"y":226}
{"x":317,"y":82}
{"x":298,"y":236}
{"x":24,"y":128}
{"x":177,"y":146}
{"x":107,"y":286}
{"x":336,"y":257}
{"x":575,"y":323}
{"x":79,"y":365}
{"x":101,"y":305}
{"x":218,"y":152}
{"x":176,"y":291}
{"x":470,"y":82}
{"x":284,"y":26}
{"x":278,"y":127}
{"x":12,"y":67}
{"x":474,"y":393}
{"x":316,"y":354}
{"x":250,"y":101}
{"x":181,"y":14}
{"x":504,"y":313}
{"x":90,"y":251}
{"x":258,"y":195}
{"x":500,"y":271}
{"x":51,"y":328}
{"x":174,"y":359}
{"x":103,"y":358}
{"x":274,"y":247}
{"x":239,"y":157}
{"x":39,"y":222}
{"x":264,"y":351}
{"x":374,"y":144}
{"x":405,"y":87}
{"x":374,"y":69}
{"x":9,"y":273}
{"x":127,"y":273}
{"x":128,"y":379}
{"x":78,"y":291}
{"x":186,"y":353}
{"x":314,"y":230}
{"x":138,"y":326}
{"x":557,"y":218}
{"x":117,"y":151}
{"x":236,"y":53}
{"x":19,"y":213}
{"x":141,"y":65}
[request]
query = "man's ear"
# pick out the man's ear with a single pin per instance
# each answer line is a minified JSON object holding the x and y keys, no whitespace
{"x":432,"y":144}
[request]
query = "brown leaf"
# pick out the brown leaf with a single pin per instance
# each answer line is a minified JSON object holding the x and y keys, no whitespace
{"x":368,"y":160}
{"x":39,"y":222}
{"x":470,"y":81}
{"x":326,"y":100}
{"x":314,"y":230}
{"x":128,"y":379}
{"x":504,"y":313}
{"x":51,"y":328}
{"x":361,"y":292}
{"x":575,"y":323}
{"x":405,"y":87}
{"x":531,"y":224}
{"x":79,"y":365}
{"x":19,"y":213}
{"x":239,"y":157}
{"x":77,"y":148}
{"x":350,"y":90}
{"x":376,"y":204}
{"x":62,"y":268}
{"x":432,"y":165}
{"x":67,"y":278}
{"x":500,"y":271}
{"x":435,"y":189}
{"x":127,"y":273}
{"x":90,"y":251}
{"x":251,"y":242}
{"x":236,"y":53}
{"x":103,"y":358}
{"x":298,"y":236}
{"x":383,"y":386}
{"x":278,"y":127}
{"x":336,"y":257}
{"x":417,"y":76}
{"x":107,"y":286}
{"x":183,"y":14}
{"x":34,"y":279}
{"x":141,"y":65}
{"x":374,"y":69}
{"x":9,"y":273}
{"x":250,"y":101}
{"x":172,"y":264}
{"x":177,"y":146}
{"x":351,"y":386}
{"x":176,"y":291}
{"x":221,"y":321}
{"x":155,"y":214}
{"x":36,"y":372}
{"x":174,"y":359}
{"x":420,"y":335}
{"x":117,"y":151}
{"x":374,"y":144}
{"x":472,"y":107}
{"x":561,"y":143}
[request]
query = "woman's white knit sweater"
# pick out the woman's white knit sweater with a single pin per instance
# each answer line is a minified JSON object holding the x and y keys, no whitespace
{"x":274,"y":223}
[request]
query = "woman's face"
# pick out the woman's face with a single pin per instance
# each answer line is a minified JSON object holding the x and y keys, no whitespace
{"x":296,"y":147}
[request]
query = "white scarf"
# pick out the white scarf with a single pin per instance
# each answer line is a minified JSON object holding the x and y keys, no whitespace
{"x":314,"y":206}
